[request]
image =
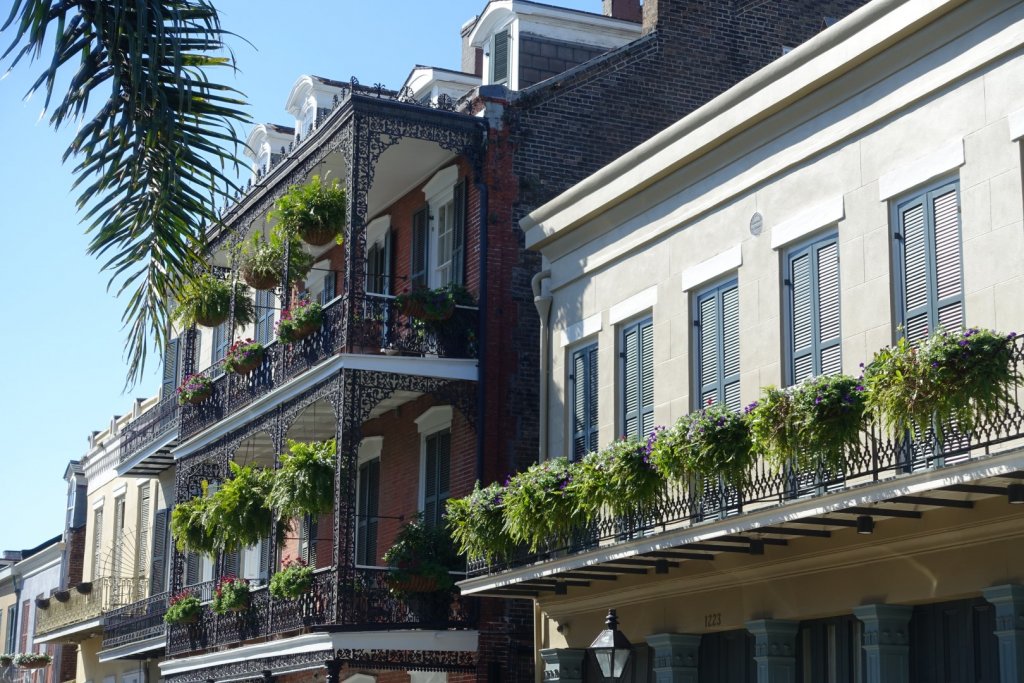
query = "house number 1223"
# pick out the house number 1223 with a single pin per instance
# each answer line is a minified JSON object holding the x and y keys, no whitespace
{"x":714,"y":619}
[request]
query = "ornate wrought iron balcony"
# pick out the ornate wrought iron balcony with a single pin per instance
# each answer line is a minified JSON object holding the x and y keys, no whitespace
{"x":877,"y":457}
{"x":156,"y":422}
{"x":376,"y":327}
{"x":104,"y":594}
{"x":360,"y":600}
{"x":139,"y":621}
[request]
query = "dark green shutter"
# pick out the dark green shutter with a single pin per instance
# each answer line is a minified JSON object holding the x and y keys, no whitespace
{"x":584,"y":401}
{"x":637,"y":356}
{"x":812,"y":281}
{"x":192,"y":563}
{"x":328,"y":291}
{"x":418,"y":261}
{"x":172,"y":359}
{"x":929,"y":262}
{"x":230,"y":564}
{"x":369,"y":509}
{"x":499,"y":57}
{"x":459,"y":233}
{"x":438,"y":475}
{"x":717,"y":365}
{"x":158,"y":563}
{"x":266,"y":570}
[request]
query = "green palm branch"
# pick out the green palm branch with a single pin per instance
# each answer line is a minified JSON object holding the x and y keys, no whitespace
{"x":155,"y":157}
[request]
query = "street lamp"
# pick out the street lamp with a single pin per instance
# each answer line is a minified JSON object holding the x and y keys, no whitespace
{"x":611,"y":648}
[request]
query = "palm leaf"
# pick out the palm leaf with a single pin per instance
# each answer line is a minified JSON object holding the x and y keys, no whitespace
{"x":156,"y":156}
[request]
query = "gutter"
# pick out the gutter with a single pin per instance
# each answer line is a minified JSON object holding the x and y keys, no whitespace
{"x":481,"y":335}
{"x":543,"y":304}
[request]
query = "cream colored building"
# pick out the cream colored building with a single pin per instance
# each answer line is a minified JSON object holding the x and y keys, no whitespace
{"x":868,"y":179}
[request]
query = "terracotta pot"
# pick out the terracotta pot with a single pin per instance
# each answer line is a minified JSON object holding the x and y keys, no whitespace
{"x":199,"y":396}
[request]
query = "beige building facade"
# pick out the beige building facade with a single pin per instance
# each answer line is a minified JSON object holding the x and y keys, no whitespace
{"x":828,"y":188}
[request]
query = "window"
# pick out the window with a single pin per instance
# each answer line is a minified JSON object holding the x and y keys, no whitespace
{"x":500,"y":57}
{"x":717,"y":346}
{"x":438,"y":257}
{"x":637,"y":354}
{"x":119,"y":509}
{"x":161,"y":552}
{"x":142,"y":542}
{"x":221,"y":341}
{"x":830,"y":651}
{"x":378,"y":266}
{"x":97,"y":541}
{"x":327,"y":291}
{"x":436,"y":476}
{"x":811,"y":287}
{"x":264,"y":332}
{"x":172,"y":368}
{"x":928,"y":262}
{"x":583,"y":400}
{"x":12,"y":629}
{"x":445,"y":228}
{"x":368,"y":511}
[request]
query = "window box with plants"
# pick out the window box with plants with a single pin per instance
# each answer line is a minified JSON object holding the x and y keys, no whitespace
{"x":230,"y":595}
{"x":243,"y":357}
{"x":183,"y":608}
{"x":315,"y":211}
{"x":292,"y":581}
{"x":300,"y":321}
{"x":195,"y":389}
{"x":447,"y":314}
{"x":32,"y":660}
{"x":206,"y":301}
{"x":261,"y":259}
{"x":421,"y":560}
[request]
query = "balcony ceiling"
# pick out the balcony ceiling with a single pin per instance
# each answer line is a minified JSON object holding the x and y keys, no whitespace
{"x":402,"y":167}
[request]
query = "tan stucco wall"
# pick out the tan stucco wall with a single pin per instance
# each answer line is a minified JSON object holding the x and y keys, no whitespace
{"x":121,"y":671}
{"x":131,"y":488}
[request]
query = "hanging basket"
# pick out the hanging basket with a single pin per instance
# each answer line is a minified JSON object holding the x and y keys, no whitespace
{"x":316,"y":234}
{"x":249,"y":364}
{"x":198,"y":397}
{"x":260,"y":281}
{"x":212,"y":320}
{"x":38,"y":664}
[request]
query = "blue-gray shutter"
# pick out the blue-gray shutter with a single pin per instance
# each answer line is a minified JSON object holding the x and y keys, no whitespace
{"x":172,"y":360}
{"x":221,"y":341}
{"x":459,"y":233}
{"x":327,"y":293}
{"x":717,"y":323}
{"x":264,"y":332}
{"x":584,"y":401}
{"x":813,"y":314}
{"x":230,"y":564}
{"x":929,"y":262}
{"x":266,"y":561}
{"x":369,"y":509}
{"x":638,"y":378}
{"x":418,"y":262}
{"x":192,"y":565}
{"x":500,"y":57}
{"x":161,"y":546}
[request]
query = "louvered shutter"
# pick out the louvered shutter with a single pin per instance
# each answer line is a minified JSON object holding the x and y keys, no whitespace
{"x":499,"y":57}
{"x":438,"y":475}
{"x":314,"y":533}
{"x":142,"y":537}
{"x":444,"y":470}
{"x":430,"y":481}
{"x":229,"y":566}
{"x":459,"y":233}
{"x":418,"y":272}
{"x":158,"y":565}
{"x":718,"y":346}
{"x":327,"y":293}
{"x":915,"y":271}
{"x":708,"y":343}
{"x":638,"y":378}
{"x":584,"y":401}
{"x":192,"y":567}
{"x":266,"y":560}
{"x":731,"y":347}
{"x":172,"y":358}
{"x":813,"y":310}
{"x":369,"y":509}
{"x":264,"y":332}
{"x":945,"y":210}
{"x":118,"y":536}
{"x":97,"y":542}
{"x":646,"y":379}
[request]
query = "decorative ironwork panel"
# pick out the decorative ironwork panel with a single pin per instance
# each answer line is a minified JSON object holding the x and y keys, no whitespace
{"x":409,"y":660}
{"x":148,"y":427}
{"x":136,"y":622}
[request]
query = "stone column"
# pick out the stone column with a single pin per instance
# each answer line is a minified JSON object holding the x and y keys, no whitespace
{"x":1009,"y":603}
{"x":675,"y":657}
{"x":563,"y":665}
{"x":886,"y":642}
{"x":774,"y":650}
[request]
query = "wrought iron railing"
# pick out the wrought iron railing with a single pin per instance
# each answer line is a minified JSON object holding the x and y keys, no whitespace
{"x":366,"y":604}
{"x":377,"y":327}
{"x":104,"y":594}
{"x":159,"y":420}
{"x":141,"y":620}
{"x":878,"y":456}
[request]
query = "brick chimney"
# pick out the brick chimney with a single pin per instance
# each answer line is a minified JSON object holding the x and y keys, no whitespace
{"x":629,"y":10}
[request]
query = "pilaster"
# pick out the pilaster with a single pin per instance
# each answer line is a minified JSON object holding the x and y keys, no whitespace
{"x":886,"y":642}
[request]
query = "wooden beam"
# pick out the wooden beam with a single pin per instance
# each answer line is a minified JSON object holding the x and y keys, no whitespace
{"x":976,"y":488}
{"x":513,"y":593}
{"x":938,"y":502}
{"x":580,"y":574}
{"x":677,"y":555}
{"x":825,"y":521}
{"x":634,"y":562}
{"x":715,"y":548}
{"x":795,"y":531}
{"x":882,"y":512}
{"x":748,"y":539}
{"x":612,"y":570}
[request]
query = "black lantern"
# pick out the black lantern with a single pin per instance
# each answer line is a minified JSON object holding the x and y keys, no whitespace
{"x":611,"y":648}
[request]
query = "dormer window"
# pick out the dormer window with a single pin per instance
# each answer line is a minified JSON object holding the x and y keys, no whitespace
{"x":500,"y":57}
{"x":308,"y":118}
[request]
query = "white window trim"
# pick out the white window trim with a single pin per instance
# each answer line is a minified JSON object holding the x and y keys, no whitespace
{"x":1016,"y":120}
{"x":431,"y":421}
{"x":581,"y":330}
{"x":821,"y":215}
{"x":97,"y":504}
{"x":633,"y":306}
{"x":120,"y":490}
{"x":377,"y":231}
{"x":370,"y":448}
{"x":439,"y":191}
{"x":712,"y":269}
{"x":920,"y":171}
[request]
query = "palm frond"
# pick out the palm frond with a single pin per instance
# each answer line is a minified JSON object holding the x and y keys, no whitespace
{"x":154,"y":158}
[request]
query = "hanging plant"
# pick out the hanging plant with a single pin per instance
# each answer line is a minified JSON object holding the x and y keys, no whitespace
{"x":243,"y":357}
{"x":619,"y":477}
{"x":477,"y":524}
{"x":540,"y":507}
{"x":190,"y":525}
{"x":206,"y":301}
{"x":183,"y":608}
{"x":32,"y":660}
{"x":717,"y":444}
{"x":294,"y":579}
{"x":950,"y":378}
{"x":299,"y":321}
{"x":240,"y":515}
{"x":261,"y":260}
{"x":194,"y":389}
{"x":304,"y":484}
{"x":315,"y":211}
{"x":670,"y":451}
{"x":420,"y":559}
{"x":230,"y":595}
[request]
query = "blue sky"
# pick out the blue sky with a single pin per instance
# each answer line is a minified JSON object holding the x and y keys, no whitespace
{"x":61,"y":342}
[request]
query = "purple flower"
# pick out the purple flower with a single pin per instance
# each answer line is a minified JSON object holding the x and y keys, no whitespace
{"x":859,"y":387}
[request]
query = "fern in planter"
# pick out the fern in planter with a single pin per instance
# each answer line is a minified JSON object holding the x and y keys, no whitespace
{"x":261,"y":260}
{"x":477,"y":524}
{"x":717,"y":444}
{"x":206,"y":301}
{"x":294,"y":579}
{"x":230,"y":595}
{"x":184,"y":608}
{"x":304,"y":484}
{"x":620,"y":477}
{"x":540,"y":506}
{"x":190,"y":525}
{"x":421,"y":558}
{"x":950,"y":378}
{"x":314,"y":210}
{"x":240,"y":515}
